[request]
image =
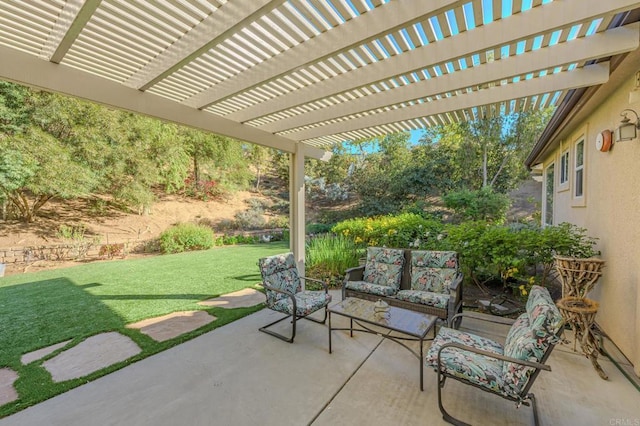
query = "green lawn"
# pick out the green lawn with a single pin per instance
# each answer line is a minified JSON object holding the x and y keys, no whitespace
{"x":44,"y":308}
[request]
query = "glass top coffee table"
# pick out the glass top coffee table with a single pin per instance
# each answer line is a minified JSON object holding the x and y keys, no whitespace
{"x":414,"y":324}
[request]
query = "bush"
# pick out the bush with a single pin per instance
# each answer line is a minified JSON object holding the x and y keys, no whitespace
{"x":404,"y":230}
{"x":186,"y":237}
{"x":250,"y":219}
{"x":483,"y":204}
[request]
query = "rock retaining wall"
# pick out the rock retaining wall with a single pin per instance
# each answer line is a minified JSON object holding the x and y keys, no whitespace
{"x":28,"y":254}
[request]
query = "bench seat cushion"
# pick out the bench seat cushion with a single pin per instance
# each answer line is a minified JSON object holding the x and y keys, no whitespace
{"x":471,"y":367}
{"x":307,"y":302}
{"x":366,"y":287}
{"x":437,"y":300}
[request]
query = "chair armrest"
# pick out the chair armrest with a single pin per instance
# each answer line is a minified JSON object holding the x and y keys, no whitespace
{"x":526,"y":363}
{"x":483,"y":317}
{"x":325,"y":286}
{"x":277,"y":290}
{"x":456,"y":283}
{"x":354,"y":274}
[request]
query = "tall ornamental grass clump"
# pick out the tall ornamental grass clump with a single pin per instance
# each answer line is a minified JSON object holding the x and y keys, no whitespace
{"x":186,"y":237}
{"x":328,"y":256}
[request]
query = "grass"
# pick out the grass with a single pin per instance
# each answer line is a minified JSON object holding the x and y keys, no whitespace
{"x":44,"y":308}
{"x":328,"y":256}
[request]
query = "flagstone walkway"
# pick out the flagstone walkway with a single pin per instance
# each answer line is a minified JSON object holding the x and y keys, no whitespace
{"x":105,"y":349}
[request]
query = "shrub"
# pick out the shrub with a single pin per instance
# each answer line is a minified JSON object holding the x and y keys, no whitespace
{"x":483,"y":204}
{"x":186,"y":237}
{"x":404,"y":230}
{"x":250,"y":219}
{"x":109,"y":251}
{"x":75,"y":236}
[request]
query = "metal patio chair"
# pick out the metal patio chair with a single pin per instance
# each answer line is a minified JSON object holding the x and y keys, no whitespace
{"x":283,"y":290}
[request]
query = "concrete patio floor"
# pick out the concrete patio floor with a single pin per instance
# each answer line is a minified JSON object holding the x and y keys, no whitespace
{"x":236,"y":375}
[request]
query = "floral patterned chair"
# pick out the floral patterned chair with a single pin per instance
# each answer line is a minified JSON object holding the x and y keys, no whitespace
{"x":283,"y":290}
{"x":508,"y":371}
{"x":380,"y":276}
{"x":436,"y":283}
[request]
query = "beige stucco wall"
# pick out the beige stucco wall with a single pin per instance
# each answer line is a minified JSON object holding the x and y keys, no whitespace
{"x":611,"y":212}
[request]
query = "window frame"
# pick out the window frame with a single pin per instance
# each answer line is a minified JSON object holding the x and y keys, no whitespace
{"x":579,"y":170}
{"x":565,"y":170}
{"x":548,"y":195}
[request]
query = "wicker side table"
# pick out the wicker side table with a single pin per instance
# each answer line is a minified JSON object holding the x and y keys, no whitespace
{"x":581,"y":313}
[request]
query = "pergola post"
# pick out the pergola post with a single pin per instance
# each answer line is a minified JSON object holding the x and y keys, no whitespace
{"x":297,"y":207}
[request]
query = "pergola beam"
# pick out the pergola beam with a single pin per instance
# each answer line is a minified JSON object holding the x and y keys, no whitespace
{"x":588,"y":76}
{"x":74,"y":16}
{"x":27,"y":69}
{"x":379,"y":21}
{"x":612,"y":42}
{"x":538,"y":20}
{"x":211,"y":31}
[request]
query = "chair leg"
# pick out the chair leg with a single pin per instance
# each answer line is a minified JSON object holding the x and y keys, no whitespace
{"x":534,"y":407}
{"x":278,"y":335}
{"x":445,"y":415}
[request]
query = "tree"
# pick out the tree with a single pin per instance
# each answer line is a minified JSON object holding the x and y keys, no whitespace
{"x":488,"y":152}
{"x":36,"y":168}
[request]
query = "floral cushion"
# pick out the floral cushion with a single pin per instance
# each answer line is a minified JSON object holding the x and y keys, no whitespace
{"x":307,"y":302}
{"x":433,"y":270}
{"x":434,"y":259}
{"x":471,"y":367}
{"x":530,"y":337}
{"x":544,"y":317}
{"x":280,"y":272}
{"x":365,"y":287}
{"x":384,"y":267}
{"x":437,"y":300}
{"x":432,"y":279}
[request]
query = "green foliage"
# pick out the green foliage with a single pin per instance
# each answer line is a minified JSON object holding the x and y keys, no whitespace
{"x":497,"y":252}
{"x":15,"y":110}
{"x":488,"y":251}
{"x":318,"y":228}
{"x":404,"y":230}
{"x":186,"y":237}
{"x":230,"y":240}
{"x":483,"y":204}
{"x":328,"y":256}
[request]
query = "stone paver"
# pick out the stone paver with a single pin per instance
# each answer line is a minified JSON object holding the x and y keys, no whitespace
{"x":29,"y":357}
{"x":93,"y":354}
{"x":169,"y":326}
{"x":7,"y":391}
{"x":238,"y":299}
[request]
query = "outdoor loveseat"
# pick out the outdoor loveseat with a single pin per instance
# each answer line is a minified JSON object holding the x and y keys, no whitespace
{"x":420,"y":280}
{"x":508,"y":371}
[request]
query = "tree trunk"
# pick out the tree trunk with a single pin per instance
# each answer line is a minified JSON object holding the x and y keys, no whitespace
{"x":484,"y":166}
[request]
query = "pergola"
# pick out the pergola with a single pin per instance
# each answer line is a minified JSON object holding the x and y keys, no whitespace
{"x":302,"y":75}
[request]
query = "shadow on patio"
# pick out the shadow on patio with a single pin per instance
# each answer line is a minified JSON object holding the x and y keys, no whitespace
{"x":236,"y":375}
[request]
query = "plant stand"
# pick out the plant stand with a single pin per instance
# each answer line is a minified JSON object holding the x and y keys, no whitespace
{"x":578,"y":276}
{"x":581,"y":313}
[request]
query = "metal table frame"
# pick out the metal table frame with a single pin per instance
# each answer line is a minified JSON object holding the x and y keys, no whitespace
{"x":430,"y":319}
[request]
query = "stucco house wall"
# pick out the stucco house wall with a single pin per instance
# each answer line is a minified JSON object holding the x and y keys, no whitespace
{"x":609,"y":209}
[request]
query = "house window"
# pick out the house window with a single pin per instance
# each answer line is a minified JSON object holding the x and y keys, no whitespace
{"x":548,"y":192}
{"x":579,"y":169}
{"x":564,"y":168}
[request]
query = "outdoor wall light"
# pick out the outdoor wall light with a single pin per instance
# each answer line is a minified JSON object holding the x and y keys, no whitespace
{"x":627,"y":129}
